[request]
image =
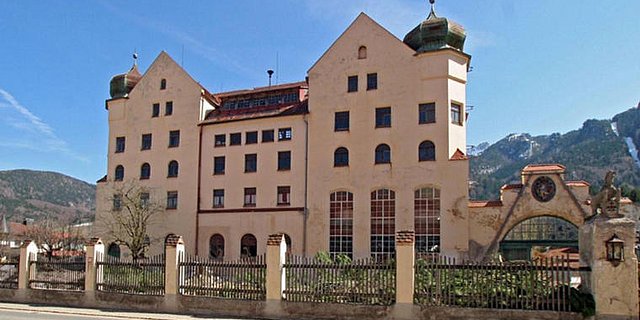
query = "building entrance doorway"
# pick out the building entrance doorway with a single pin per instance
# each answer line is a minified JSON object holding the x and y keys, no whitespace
{"x":539,"y":234}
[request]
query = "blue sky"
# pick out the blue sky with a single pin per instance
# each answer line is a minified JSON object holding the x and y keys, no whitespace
{"x":538,"y":66}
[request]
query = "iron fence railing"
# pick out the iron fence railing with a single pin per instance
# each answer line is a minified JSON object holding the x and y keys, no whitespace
{"x":144,"y":276}
{"x":9,"y":275}
{"x":366,"y":282}
{"x":244,"y":279}
{"x":55,"y":273}
{"x":549,"y":284}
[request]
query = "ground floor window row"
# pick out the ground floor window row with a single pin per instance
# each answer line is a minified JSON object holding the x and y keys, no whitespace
{"x":382,"y":222}
{"x":283,"y":197}
{"x":248,"y":246}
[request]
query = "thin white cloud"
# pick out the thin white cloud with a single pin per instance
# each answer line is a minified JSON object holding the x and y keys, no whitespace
{"x":33,"y":133}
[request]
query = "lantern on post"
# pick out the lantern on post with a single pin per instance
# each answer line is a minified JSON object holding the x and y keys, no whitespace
{"x":615,"y":250}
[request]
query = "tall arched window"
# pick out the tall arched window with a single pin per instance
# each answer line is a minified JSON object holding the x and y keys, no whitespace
{"x":114,"y":250}
{"x":119,"y":174}
{"x":341,"y":223}
{"x":248,"y":246}
{"x":173,"y":169}
{"x":145,"y":171}
{"x":427,"y":219}
{"x":427,"y":151}
{"x":216,"y":246}
{"x":383,"y":154}
{"x":341,"y":157}
{"x":383,"y":223}
{"x":362,"y":52}
{"x":163,"y":84}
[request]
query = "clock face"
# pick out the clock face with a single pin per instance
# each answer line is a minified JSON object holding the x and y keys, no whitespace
{"x":543,"y":189}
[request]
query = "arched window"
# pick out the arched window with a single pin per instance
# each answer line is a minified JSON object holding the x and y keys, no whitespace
{"x":383,"y":224}
{"x":173,"y":169}
{"x":427,"y":151}
{"x":145,"y":171}
{"x":114,"y":250}
{"x":119,"y":174}
{"x":427,"y":219}
{"x":287,"y":240}
{"x":383,"y":154}
{"x":341,"y":157}
{"x":526,"y":238}
{"x":341,"y":223}
{"x":163,"y":84}
{"x":362,"y":52}
{"x":216,"y":246}
{"x":248,"y":246}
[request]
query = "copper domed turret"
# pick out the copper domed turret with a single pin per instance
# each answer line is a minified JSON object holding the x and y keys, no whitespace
{"x":436,"y":33}
{"x":122,"y":84}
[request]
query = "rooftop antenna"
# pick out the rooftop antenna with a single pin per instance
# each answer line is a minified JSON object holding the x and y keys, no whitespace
{"x":135,"y":58}
{"x":433,"y":8}
{"x":270,"y":73}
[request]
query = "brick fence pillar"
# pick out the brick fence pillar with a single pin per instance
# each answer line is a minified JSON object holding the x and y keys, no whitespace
{"x":405,"y":258}
{"x":94,"y":253}
{"x":276,"y":251}
{"x":28,"y":253}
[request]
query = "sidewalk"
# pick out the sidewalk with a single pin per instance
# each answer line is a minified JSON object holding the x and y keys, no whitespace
{"x":99,"y":312}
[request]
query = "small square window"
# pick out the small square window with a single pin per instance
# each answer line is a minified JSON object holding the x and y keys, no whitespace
{"x":117,"y":202}
{"x":155,"y":110}
{"x":427,"y":113}
{"x":172,"y":199}
{"x":144,"y":199}
{"x":284,"y":195}
{"x":163,"y":84}
{"x":383,"y":117}
{"x":456,"y":113}
{"x":174,"y":138}
{"x":249,"y":197}
{"x":284,"y":160}
{"x":168,"y":108}
{"x":236,"y":139}
{"x":352,"y":84}
{"x":251,"y":137}
{"x":218,"y":198}
{"x":218,"y":165}
{"x":267,"y":135}
{"x":372,"y":81}
{"x":341,"y":122}
{"x":220,"y":140}
{"x":120,"y":144}
{"x":146,"y":141}
{"x":284,"y":134}
{"x":250,"y":162}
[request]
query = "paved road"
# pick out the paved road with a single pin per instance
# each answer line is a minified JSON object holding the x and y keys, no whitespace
{"x":11,"y":311}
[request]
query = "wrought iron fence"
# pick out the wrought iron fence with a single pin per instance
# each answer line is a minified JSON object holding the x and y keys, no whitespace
{"x":549,"y":284}
{"x":340,"y":280}
{"x":244,"y":279}
{"x":144,"y":276}
{"x":55,"y":273}
{"x":9,"y":274}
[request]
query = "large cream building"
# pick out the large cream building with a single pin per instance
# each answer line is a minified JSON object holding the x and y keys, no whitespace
{"x":373,"y":142}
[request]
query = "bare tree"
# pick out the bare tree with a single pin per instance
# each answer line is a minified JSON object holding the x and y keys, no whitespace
{"x":54,"y":235}
{"x":130,"y":216}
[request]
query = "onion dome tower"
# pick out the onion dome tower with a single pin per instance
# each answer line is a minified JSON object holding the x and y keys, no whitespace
{"x":122,"y":84}
{"x":435,"y":33}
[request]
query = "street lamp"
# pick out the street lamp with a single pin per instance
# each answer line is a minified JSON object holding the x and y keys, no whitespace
{"x":615,"y":250}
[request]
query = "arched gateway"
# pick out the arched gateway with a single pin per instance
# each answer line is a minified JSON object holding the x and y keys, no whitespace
{"x":542,"y":231}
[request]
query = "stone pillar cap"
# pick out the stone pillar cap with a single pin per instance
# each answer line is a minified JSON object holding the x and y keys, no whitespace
{"x":405,"y":237}
{"x":275,"y":239}
{"x":174,"y":240}
{"x":94,"y":241}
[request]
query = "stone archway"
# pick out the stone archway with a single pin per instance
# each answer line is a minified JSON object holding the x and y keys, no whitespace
{"x":541,"y":231}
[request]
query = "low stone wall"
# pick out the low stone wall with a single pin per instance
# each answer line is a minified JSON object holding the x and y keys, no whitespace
{"x":263,"y":309}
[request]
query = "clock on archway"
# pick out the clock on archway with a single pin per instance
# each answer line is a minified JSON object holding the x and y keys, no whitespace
{"x":543,"y":189}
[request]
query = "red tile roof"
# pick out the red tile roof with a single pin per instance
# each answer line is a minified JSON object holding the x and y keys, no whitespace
{"x":512,"y":186}
{"x":222,"y":115}
{"x":484,"y":203}
{"x":579,"y":183}
{"x":301,"y":84}
{"x":552,"y":167}
{"x":458,"y":155}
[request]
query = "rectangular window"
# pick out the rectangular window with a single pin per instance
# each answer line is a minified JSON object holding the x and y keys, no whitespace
{"x":249,"y":197}
{"x":372,"y":81}
{"x":120,"y":142}
{"x":250,"y":162}
{"x":284,"y":196}
{"x":456,"y":114}
{"x":220,"y":140}
{"x":144,"y":199}
{"x":172,"y":199}
{"x":236,"y":139}
{"x":218,"y":165}
{"x":218,"y":198}
{"x":174,"y":138}
{"x":155,"y":110}
{"x":117,"y":202}
{"x":341,"y":121}
{"x":168,"y":108}
{"x":267,"y":135}
{"x":146,"y":141}
{"x":251,"y":137}
{"x":284,"y":160}
{"x":427,"y":113}
{"x":284,"y":134}
{"x":352,"y":84}
{"x":383,"y":117}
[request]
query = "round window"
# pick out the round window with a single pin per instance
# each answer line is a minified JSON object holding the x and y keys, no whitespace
{"x":543,"y":189}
